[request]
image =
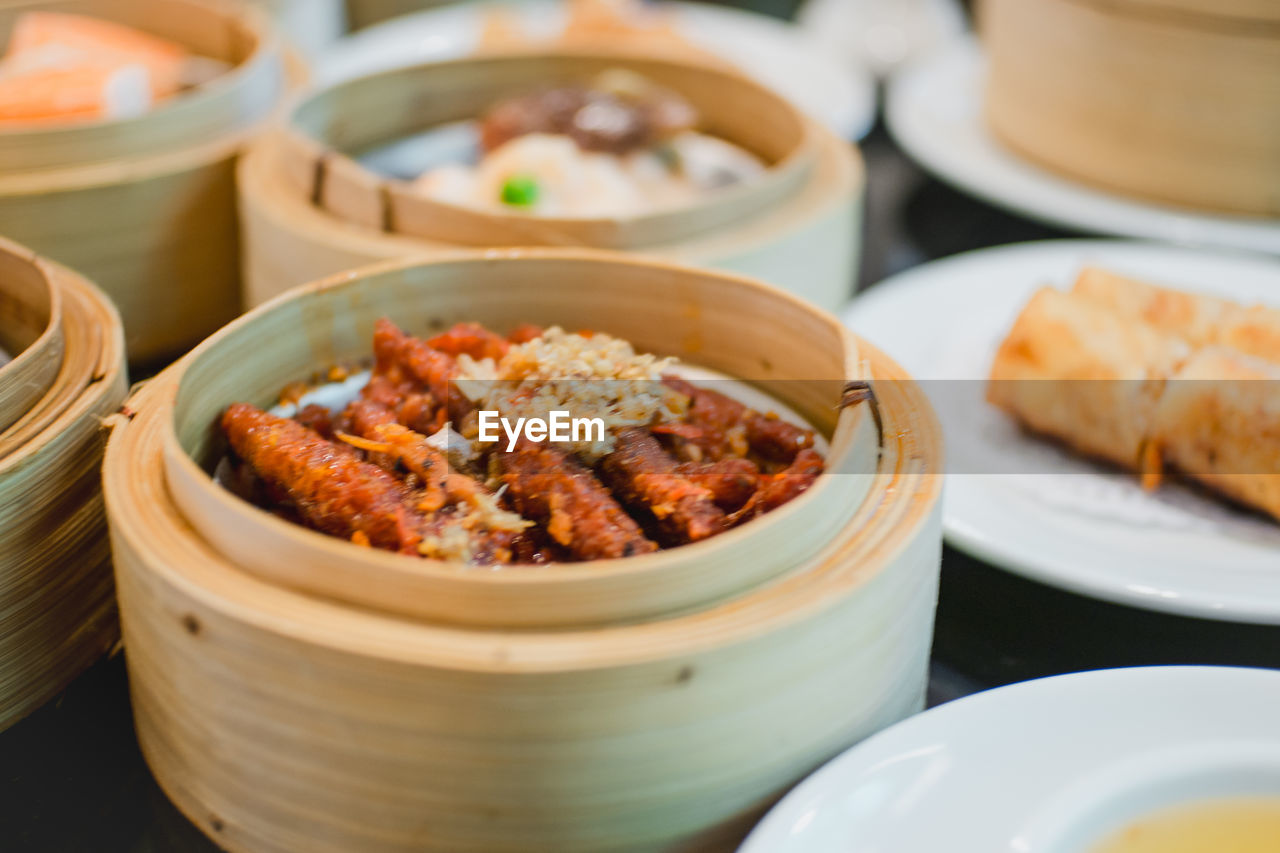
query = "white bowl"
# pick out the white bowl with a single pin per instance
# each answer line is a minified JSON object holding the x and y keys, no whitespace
{"x":1047,"y":766}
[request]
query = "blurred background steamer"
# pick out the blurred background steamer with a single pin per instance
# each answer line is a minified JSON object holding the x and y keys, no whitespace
{"x":1169,"y":100}
{"x":788,"y":58}
{"x":142,"y":197}
{"x":653,"y":702}
{"x":334,"y":189}
{"x":61,"y":373}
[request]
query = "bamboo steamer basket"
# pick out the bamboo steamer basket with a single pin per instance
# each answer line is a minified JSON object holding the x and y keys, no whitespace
{"x":310,"y":209}
{"x":31,"y":334}
{"x":1172,"y":100}
{"x":146,"y":206}
{"x":57,"y":609}
{"x":717,"y":322}
{"x":366,"y":730}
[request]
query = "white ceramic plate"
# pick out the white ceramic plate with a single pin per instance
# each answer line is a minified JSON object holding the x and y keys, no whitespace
{"x":1044,"y":766}
{"x":1046,"y":514}
{"x":774,"y":52}
{"x":882,"y":36}
{"x":934,"y":111}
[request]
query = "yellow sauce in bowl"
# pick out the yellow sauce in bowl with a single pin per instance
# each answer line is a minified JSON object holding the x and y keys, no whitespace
{"x":1237,"y":825}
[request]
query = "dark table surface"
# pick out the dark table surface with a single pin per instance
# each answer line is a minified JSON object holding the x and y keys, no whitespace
{"x":72,"y":778}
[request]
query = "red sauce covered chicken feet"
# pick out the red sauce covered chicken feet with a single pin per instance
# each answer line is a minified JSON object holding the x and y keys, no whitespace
{"x":401,"y":467}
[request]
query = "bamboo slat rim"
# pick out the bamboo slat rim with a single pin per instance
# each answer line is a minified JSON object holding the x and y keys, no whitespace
{"x":271,"y":208}
{"x":427,"y":588}
{"x":89,"y":176}
{"x":262,"y":182}
{"x":391,"y":206}
{"x":57,"y":611}
{"x":30,"y":372}
{"x":94,"y":360}
{"x":231,"y":104}
{"x":905,"y":495}
{"x":83,"y":331}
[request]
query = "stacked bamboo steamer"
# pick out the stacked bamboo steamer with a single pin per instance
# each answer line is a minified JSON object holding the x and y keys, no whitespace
{"x":310,"y":209}
{"x":57,"y":611}
{"x":146,"y":206}
{"x":654,"y":703}
{"x":1172,"y":100}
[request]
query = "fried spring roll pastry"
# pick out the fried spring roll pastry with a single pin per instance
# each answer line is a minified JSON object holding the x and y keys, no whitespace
{"x":1198,"y":319}
{"x":1180,"y":379}
{"x":1193,"y":317}
{"x":554,"y":489}
{"x":645,"y":478}
{"x":331,"y":489}
{"x":1255,"y":332}
{"x":1219,"y":423}
{"x":1075,"y":372}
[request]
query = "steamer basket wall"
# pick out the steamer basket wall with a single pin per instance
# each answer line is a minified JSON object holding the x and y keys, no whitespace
{"x":146,"y":206}
{"x":1172,"y":100}
{"x":32,"y":340}
{"x":669,"y":733}
{"x":57,"y":609}
{"x":311,"y":210}
{"x":713,"y":322}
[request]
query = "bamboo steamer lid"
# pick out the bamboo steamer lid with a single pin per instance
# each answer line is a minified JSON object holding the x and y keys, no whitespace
{"x":31,"y":334}
{"x":1172,"y":100}
{"x":57,"y":609}
{"x":146,"y":205}
{"x":668,"y":733}
{"x":311,"y":210}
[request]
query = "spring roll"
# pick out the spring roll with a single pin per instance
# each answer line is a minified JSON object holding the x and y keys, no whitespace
{"x":1193,"y":317}
{"x":1218,"y":422}
{"x":1071,"y":370}
{"x":1254,"y":332}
